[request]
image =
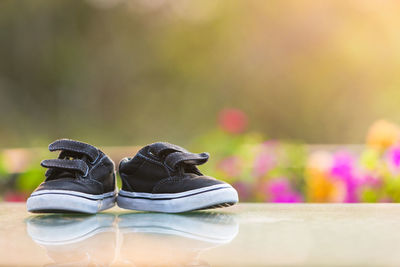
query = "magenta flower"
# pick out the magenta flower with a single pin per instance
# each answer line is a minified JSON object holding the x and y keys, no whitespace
{"x":280,"y":191}
{"x":343,"y":164}
{"x":343,"y":169}
{"x":393,"y":158}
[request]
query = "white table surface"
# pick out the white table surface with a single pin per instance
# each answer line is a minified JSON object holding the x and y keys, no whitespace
{"x":242,"y":235}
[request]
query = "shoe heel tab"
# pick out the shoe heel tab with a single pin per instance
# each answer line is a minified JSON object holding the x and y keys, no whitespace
{"x":105,"y":158}
{"x":122,"y":163}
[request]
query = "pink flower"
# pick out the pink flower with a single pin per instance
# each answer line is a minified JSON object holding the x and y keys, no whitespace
{"x":231,"y":166}
{"x":386,"y":200}
{"x":232,"y":120}
{"x":244,"y":190}
{"x":263,"y":163}
{"x":371,"y":181}
{"x":14,"y":197}
{"x":266,"y":160}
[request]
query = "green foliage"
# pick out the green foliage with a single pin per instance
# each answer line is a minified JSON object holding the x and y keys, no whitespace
{"x":30,"y":179}
{"x":3,"y":171}
{"x":369,"y":195}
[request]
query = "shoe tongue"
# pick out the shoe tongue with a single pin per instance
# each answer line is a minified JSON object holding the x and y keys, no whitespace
{"x":65,"y":154}
{"x":54,"y":174}
{"x":65,"y":174}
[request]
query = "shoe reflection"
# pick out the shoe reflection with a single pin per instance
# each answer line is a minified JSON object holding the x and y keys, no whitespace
{"x":134,"y":239}
{"x":75,"y":240}
{"x":159,"y":239}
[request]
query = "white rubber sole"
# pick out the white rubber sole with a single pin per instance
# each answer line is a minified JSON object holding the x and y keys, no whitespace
{"x":221,"y":195}
{"x":61,"y":230}
{"x":209,"y":227}
{"x":49,"y":201}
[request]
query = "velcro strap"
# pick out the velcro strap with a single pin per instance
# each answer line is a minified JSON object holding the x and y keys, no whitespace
{"x":75,"y":146}
{"x":162,"y":147}
{"x":173,"y":159}
{"x":75,"y":164}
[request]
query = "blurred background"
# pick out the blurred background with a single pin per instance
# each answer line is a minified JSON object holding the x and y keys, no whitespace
{"x":297,"y":101}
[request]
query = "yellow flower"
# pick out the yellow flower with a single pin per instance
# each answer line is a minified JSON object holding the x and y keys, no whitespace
{"x":320,"y":187}
{"x":382,"y":134}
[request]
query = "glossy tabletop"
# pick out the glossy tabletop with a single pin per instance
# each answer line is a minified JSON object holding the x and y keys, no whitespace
{"x":243,"y":235}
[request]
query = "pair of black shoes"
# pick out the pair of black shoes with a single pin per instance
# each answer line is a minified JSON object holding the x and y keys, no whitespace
{"x":162,"y":177}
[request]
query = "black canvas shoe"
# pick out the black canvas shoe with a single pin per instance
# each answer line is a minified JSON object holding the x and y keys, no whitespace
{"x":163,"y":177}
{"x":82,"y":179}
